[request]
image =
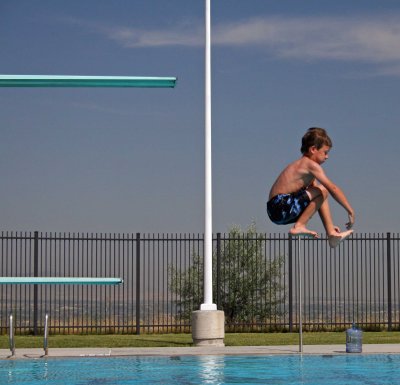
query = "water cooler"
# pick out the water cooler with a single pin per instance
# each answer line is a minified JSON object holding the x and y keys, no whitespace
{"x":353,"y":340}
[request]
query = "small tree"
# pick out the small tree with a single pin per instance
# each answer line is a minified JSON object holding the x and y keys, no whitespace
{"x":249,"y":283}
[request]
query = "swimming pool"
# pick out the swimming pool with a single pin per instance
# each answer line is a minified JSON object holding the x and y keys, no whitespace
{"x":285,"y":370}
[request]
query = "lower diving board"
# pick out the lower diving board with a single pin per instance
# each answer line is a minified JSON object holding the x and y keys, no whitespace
{"x":59,"y":281}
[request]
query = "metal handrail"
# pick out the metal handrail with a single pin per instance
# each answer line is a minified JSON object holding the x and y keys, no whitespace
{"x":12,"y":341}
{"x":46,"y":335}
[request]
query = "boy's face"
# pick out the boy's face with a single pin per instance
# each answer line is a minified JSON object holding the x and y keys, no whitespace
{"x":319,"y":155}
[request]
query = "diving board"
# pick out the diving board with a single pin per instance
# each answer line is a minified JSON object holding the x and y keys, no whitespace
{"x":86,"y":81}
{"x":59,"y":281}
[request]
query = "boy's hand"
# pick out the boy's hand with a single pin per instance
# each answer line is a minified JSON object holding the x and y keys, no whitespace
{"x":350,"y":223}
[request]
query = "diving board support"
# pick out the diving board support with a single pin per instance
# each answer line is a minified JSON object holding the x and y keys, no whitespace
{"x":59,"y":281}
{"x":86,"y":81}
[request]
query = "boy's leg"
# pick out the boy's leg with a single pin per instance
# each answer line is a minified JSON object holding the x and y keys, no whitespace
{"x":333,"y":232}
{"x":319,"y":202}
{"x":326,"y":218}
{"x":317,"y":198}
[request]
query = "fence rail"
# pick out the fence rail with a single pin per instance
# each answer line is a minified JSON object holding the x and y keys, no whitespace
{"x":255,"y":280}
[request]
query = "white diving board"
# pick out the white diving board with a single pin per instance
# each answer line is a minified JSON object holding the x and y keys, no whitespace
{"x":59,"y":281}
{"x":85,"y":81}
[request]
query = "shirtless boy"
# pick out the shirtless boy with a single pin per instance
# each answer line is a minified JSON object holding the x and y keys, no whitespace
{"x":302,"y":189}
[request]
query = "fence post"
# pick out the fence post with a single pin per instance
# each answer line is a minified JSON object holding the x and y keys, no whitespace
{"x":389,"y":280}
{"x":218,"y":270}
{"x":290,"y":290}
{"x":35,"y":287}
{"x":137,"y":283}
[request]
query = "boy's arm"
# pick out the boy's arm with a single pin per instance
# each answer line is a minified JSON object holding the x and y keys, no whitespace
{"x":334,"y":190}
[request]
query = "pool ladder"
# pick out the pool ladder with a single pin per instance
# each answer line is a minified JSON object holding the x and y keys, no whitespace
{"x":46,"y":336}
{"x":12,"y":341}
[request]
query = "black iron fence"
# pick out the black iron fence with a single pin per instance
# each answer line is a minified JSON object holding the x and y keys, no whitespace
{"x":256,"y":282}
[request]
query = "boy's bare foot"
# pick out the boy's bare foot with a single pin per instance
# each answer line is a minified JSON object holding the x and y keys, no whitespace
{"x":335,"y":238}
{"x":303,"y":231}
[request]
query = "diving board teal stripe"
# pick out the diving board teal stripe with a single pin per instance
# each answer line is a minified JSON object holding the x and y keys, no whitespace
{"x":59,"y":281}
{"x":85,"y":81}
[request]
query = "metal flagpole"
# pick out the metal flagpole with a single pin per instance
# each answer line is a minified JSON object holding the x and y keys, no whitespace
{"x":208,"y":323}
{"x":208,"y":300}
{"x":300,"y":298}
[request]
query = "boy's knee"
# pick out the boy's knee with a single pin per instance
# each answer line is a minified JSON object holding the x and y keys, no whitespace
{"x":318,"y":192}
{"x":324,"y":192}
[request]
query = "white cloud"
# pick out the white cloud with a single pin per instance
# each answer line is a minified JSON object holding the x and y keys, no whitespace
{"x":137,"y":38}
{"x":373,"y":39}
{"x":323,"y":38}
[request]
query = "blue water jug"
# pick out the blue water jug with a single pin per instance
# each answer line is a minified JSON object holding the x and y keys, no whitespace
{"x":353,"y":340}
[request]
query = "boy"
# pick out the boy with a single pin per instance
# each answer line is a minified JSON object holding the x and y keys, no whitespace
{"x":296,"y":196}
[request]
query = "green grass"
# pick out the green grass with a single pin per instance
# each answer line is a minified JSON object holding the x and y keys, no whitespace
{"x":176,"y":340}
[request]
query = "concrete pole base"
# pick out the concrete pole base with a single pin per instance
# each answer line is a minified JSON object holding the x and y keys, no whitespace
{"x":208,"y":328}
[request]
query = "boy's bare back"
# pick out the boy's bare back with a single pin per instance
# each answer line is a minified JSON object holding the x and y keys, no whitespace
{"x":296,"y":176}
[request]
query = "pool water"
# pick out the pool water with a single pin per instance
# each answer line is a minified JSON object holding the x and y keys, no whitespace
{"x":285,"y":370}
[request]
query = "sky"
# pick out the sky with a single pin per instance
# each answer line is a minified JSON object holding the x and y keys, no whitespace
{"x":132,"y":160}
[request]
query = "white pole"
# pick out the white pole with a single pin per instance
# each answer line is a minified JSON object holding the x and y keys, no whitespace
{"x":208,"y":302}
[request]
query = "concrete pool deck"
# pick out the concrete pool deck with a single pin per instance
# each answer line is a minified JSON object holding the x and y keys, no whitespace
{"x":197,"y":351}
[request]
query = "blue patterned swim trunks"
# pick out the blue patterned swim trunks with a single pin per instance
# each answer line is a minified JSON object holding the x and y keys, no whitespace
{"x":284,"y":209}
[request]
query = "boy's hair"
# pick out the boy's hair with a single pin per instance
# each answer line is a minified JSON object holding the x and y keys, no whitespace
{"x":315,"y":136}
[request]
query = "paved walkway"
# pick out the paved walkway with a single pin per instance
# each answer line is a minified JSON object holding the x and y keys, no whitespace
{"x":198,"y":351}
